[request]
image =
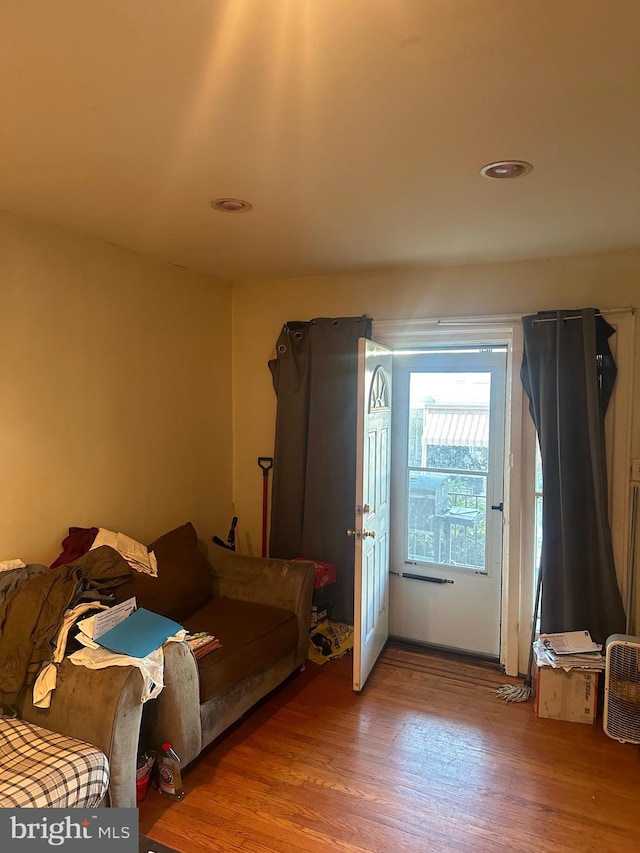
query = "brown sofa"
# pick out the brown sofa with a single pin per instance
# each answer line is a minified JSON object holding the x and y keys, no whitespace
{"x":259,"y":609}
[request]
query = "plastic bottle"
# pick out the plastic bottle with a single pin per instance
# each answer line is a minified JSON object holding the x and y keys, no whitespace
{"x":169,"y":776}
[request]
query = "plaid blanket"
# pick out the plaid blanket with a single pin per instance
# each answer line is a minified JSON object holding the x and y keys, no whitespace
{"x":42,"y":769}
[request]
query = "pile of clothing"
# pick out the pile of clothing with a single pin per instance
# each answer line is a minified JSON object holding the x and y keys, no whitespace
{"x":34,"y":601}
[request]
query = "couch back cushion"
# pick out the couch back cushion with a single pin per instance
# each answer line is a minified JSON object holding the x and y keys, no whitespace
{"x":184,"y":583}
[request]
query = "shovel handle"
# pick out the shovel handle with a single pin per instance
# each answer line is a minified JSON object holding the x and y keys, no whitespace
{"x":266,"y":463}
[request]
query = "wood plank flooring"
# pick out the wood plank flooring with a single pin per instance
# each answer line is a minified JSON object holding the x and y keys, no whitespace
{"x":427,"y":758}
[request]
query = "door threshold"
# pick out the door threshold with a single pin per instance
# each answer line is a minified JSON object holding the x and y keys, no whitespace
{"x":461,"y":655}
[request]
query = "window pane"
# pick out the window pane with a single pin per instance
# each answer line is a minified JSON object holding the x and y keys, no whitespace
{"x":447,"y":518}
{"x":448,"y":436}
{"x":538,"y":469}
{"x":538,"y":539}
{"x":538,"y":520}
{"x":449,"y":420}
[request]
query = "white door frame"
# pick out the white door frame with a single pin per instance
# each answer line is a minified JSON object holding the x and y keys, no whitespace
{"x":431,"y":613}
{"x":618,"y":432}
{"x":520,"y":442}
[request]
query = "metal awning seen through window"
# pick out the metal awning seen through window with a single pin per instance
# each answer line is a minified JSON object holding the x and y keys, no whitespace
{"x":456,"y":425}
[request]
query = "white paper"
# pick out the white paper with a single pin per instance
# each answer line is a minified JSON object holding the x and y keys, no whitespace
{"x":108,"y":619}
{"x":569,"y":643}
{"x":135,"y":553}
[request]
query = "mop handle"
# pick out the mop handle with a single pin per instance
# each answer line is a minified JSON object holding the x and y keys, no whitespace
{"x":529,"y":679}
{"x":266,"y":463}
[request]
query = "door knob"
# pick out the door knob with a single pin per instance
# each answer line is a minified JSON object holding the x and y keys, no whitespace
{"x":370,"y":533}
{"x":355,"y":533}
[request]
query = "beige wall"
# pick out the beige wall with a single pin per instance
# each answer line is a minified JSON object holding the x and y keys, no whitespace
{"x":260,"y":309}
{"x":115,"y":381}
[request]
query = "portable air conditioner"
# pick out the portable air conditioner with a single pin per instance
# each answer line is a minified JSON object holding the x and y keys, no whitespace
{"x":622,"y":688}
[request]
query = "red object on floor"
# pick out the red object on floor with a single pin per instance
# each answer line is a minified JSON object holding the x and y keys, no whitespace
{"x":142,"y":786}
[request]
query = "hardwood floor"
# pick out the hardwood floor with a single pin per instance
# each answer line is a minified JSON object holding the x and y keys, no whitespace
{"x":427,"y":758}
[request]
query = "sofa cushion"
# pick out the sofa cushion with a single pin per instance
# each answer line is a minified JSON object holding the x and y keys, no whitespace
{"x":184,"y":581}
{"x":253,"y":637}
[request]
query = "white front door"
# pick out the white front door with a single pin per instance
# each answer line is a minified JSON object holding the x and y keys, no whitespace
{"x":448,"y":491}
{"x":371,"y":528}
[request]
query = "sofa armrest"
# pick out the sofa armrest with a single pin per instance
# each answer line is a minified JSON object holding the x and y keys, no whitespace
{"x":281,"y":583}
{"x":175,"y":714}
{"x":101,"y":707}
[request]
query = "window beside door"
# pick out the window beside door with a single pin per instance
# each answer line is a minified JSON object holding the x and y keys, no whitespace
{"x":538,"y":518}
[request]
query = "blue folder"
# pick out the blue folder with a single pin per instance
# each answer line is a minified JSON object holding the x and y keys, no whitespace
{"x":139,"y":634}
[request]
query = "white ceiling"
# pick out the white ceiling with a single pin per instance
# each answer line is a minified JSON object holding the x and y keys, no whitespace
{"x":356,"y":128}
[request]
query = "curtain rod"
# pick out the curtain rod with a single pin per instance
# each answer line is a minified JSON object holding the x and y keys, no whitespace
{"x":489,"y":320}
{"x":629,"y":310}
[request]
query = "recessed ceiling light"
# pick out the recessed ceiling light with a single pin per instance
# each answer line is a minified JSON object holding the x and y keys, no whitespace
{"x":231,"y":205}
{"x":506,"y":169}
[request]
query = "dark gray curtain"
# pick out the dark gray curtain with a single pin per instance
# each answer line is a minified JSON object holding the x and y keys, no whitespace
{"x":313,"y":491}
{"x":568,"y":373}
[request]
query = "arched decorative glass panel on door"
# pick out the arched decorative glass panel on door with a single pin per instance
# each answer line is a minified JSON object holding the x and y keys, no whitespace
{"x":379,"y":394}
{"x":376,"y":489}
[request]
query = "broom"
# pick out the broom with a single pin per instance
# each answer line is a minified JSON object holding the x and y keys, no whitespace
{"x":522,"y":692}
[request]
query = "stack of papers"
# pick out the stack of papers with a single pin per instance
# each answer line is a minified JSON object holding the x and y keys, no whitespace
{"x":569,"y":650}
{"x":135,"y":553}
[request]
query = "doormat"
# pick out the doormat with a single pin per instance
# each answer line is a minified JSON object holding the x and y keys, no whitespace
{"x":329,"y":641}
{"x":149,"y":846}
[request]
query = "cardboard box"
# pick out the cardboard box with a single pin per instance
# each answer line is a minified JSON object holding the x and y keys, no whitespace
{"x":571,"y":696}
{"x":318,"y":615}
{"x":325,"y":572}
{"x":320,"y":606}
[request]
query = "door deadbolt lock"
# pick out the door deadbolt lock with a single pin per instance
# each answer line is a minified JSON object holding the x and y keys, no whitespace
{"x":370,"y":533}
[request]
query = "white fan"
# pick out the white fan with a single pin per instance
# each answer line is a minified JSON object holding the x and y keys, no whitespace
{"x":622,"y":688}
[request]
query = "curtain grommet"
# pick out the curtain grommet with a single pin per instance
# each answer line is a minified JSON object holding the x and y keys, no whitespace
{"x":282,"y":348}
